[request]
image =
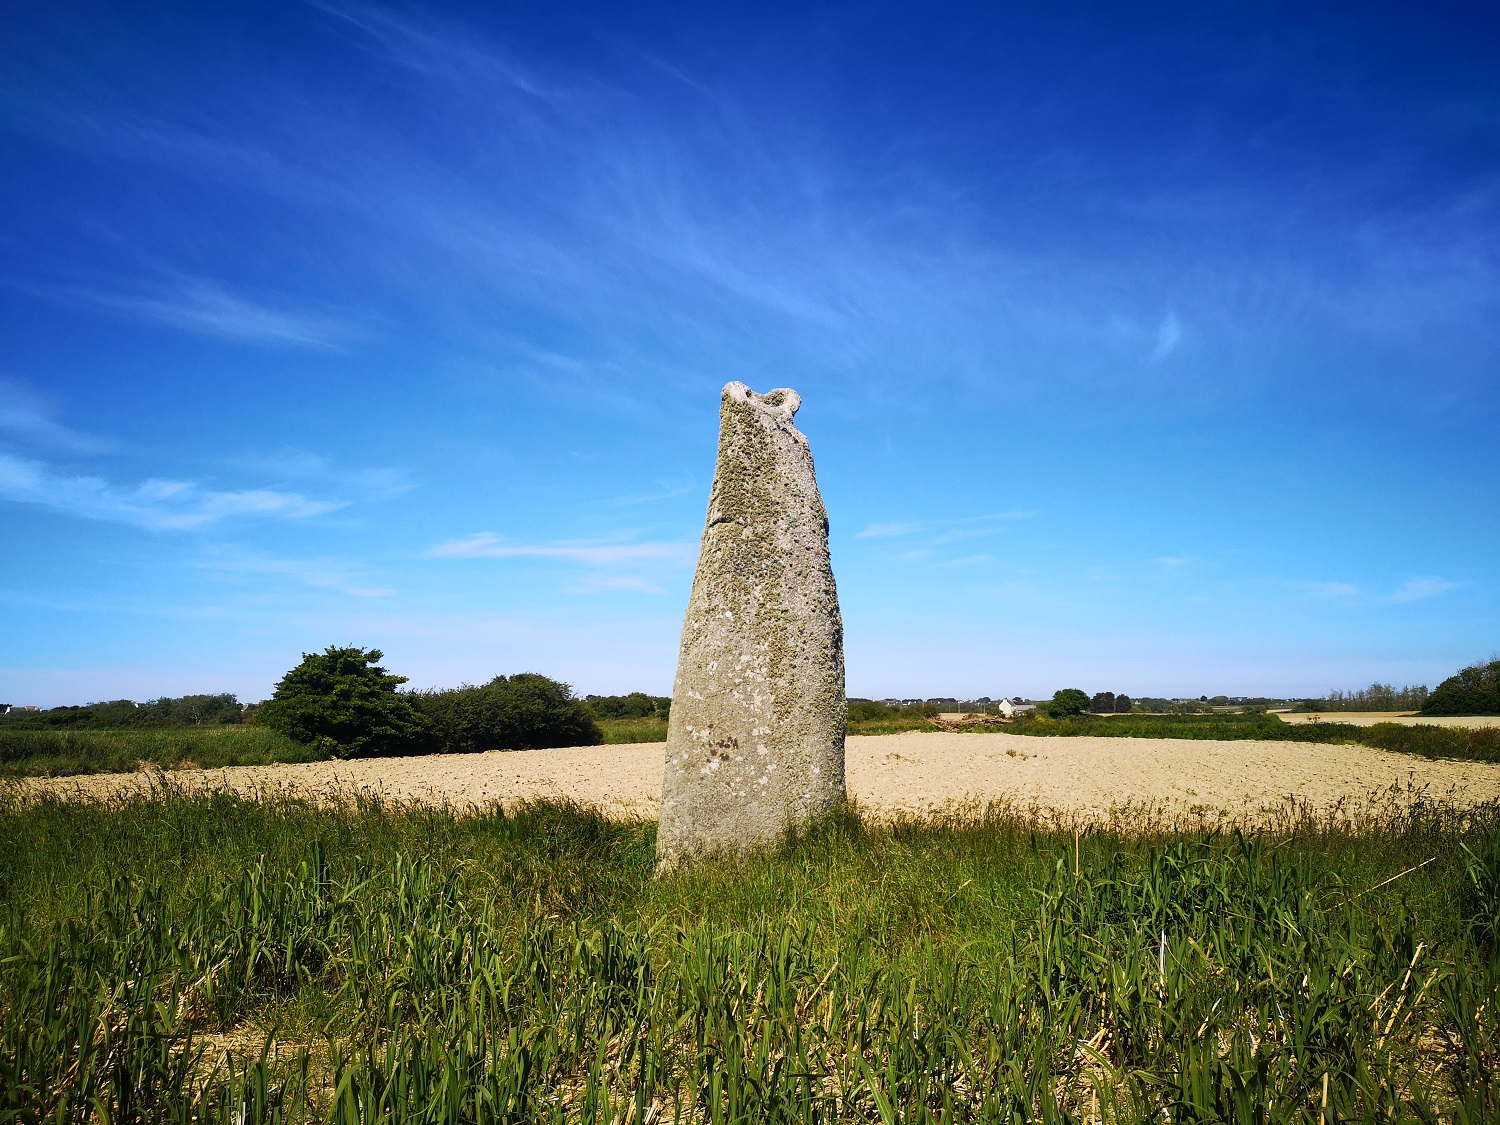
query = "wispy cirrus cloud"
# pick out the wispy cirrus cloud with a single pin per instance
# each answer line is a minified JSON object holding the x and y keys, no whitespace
{"x":1422,"y":588}
{"x":607,"y":218}
{"x":665,"y":490}
{"x":339,"y":575}
{"x":945,"y":531}
{"x":888,"y":530}
{"x":381,"y":483}
{"x":155,"y":504}
{"x":1415,"y":589}
{"x":208,"y":308}
{"x":599,"y":583}
{"x":24,"y":416}
{"x":445,"y":54}
{"x":488,"y":545}
{"x":1168,"y":338}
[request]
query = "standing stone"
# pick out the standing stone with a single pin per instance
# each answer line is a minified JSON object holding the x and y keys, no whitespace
{"x":756,"y":736}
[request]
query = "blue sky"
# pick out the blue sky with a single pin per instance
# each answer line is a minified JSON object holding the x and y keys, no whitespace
{"x":1144,"y":348}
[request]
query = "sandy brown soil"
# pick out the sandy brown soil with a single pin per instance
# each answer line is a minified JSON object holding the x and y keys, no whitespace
{"x":1088,"y":778}
{"x":1370,"y":718}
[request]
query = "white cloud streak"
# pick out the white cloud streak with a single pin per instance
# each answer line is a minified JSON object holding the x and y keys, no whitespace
{"x":598,"y":583}
{"x":319,"y":573}
{"x":1420,"y":589}
{"x":440,"y":53}
{"x":700,"y":227}
{"x":948,"y":531}
{"x":207,"y":308}
{"x":23,"y":415}
{"x":888,"y":530}
{"x":1168,"y":338}
{"x":665,"y":490}
{"x":300,"y":465}
{"x":155,"y":504}
{"x":488,"y":545}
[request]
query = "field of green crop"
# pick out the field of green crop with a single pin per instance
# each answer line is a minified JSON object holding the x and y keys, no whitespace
{"x":1429,"y":740}
{"x":891,"y":726}
{"x":651,"y":728}
{"x":211,"y":959}
{"x":59,"y":753}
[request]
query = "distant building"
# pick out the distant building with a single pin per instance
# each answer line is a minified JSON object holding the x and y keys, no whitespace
{"x":1010,"y":708}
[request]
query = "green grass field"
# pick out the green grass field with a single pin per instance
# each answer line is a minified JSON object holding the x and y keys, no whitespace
{"x":1480,"y":744}
{"x":891,"y":726}
{"x":619,"y":731}
{"x":212,"y":959}
{"x":31,"y":753}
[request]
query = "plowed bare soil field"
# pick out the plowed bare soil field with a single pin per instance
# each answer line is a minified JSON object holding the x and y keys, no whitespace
{"x":1081,"y":780}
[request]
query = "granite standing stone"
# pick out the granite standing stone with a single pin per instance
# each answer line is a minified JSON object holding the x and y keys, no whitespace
{"x":756,"y":737}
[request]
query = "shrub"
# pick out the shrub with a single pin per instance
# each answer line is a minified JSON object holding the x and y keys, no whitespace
{"x":868,"y":711}
{"x":636,"y":705}
{"x":868,"y":716}
{"x":526,"y":711}
{"x":1473,"y":691}
{"x":1482,"y":745}
{"x":341,"y":701}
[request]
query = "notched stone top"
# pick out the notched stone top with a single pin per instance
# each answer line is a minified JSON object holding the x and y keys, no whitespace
{"x":781,"y":404}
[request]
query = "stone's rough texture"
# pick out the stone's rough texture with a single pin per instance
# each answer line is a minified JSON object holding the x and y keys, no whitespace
{"x":756,"y":736}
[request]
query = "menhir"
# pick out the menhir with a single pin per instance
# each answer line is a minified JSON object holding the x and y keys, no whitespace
{"x":755,"y":743}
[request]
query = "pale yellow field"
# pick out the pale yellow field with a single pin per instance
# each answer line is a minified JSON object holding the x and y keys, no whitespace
{"x":1370,"y":718}
{"x":1088,"y":779}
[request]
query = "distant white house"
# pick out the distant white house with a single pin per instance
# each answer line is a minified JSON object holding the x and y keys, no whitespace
{"x":1010,"y":708}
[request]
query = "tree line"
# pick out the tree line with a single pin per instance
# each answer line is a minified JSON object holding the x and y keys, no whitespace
{"x":1376,"y":697}
{"x":343,"y":702}
{"x":125,"y":714}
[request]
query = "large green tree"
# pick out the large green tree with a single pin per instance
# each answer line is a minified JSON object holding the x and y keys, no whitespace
{"x":1068,"y":701}
{"x":340,"y":699}
{"x":1473,"y":691}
